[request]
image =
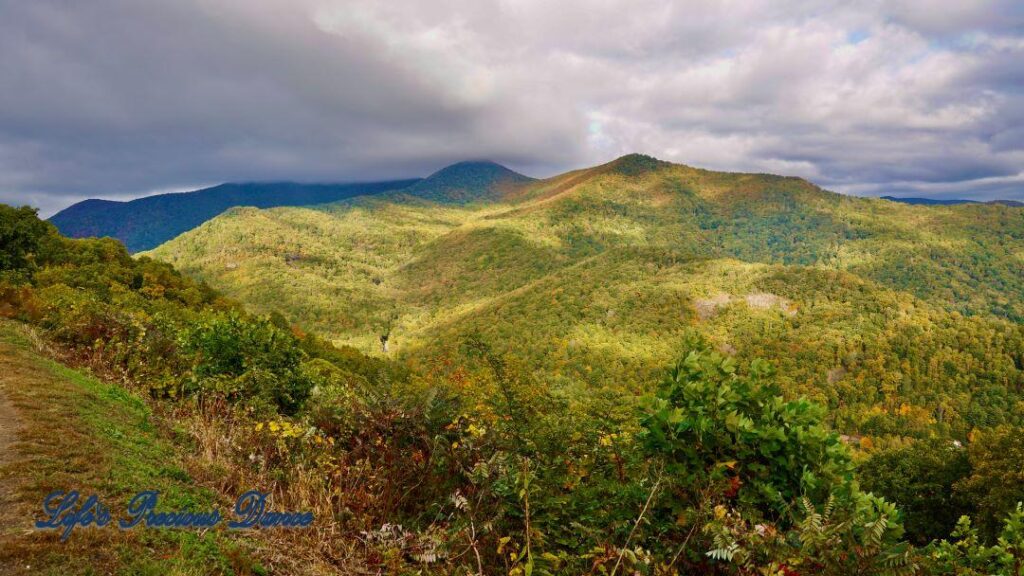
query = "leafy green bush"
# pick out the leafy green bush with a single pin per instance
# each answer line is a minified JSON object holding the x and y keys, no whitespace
{"x":852,"y":533}
{"x":759,"y":482}
{"x":244,"y":358}
{"x":966,"y":555}
{"x":730,"y":436}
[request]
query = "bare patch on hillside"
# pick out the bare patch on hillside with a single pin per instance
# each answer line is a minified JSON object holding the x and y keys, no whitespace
{"x":836,"y":374}
{"x":766,"y":300}
{"x":707,"y":308}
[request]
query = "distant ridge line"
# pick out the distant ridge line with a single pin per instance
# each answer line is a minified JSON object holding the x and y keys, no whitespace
{"x":145,"y":223}
{"x":950,"y":202}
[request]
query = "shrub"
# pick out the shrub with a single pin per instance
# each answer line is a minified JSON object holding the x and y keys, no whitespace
{"x":731,"y":436}
{"x":245,"y":358}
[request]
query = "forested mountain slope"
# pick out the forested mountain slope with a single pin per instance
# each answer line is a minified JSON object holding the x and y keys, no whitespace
{"x":901,"y":318}
{"x":147,"y":222}
{"x":522,"y":424}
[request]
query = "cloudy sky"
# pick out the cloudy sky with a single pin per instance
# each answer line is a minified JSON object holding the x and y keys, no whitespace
{"x":121,"y":98}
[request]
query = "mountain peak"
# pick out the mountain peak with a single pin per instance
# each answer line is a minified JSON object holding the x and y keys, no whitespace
{"x":476,"y":167}
{"x":635,"y":164}
{"x":483,"y":162}
{"x":468,"y":181}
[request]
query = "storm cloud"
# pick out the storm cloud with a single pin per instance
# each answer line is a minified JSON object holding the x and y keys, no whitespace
{"x":120,"y":98}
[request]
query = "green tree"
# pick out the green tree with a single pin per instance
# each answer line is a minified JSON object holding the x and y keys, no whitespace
{"x":996,"y":482}
{"x":21,"y":236}
{"x":920,"y":479}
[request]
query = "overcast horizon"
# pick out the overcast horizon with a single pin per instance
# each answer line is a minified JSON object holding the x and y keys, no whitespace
{"x":119,"y":100}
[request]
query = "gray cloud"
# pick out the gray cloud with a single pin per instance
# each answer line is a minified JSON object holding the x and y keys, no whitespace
{"x":116,"y":98}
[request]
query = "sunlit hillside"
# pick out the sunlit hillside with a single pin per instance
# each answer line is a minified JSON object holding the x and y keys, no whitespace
{"x":599,"y":276}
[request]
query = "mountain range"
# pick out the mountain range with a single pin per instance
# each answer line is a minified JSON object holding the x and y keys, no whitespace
{"x":436,"y":338}
{"x":597,"y":277}
{"x":951,"y":202}
{"x":147,"y":222}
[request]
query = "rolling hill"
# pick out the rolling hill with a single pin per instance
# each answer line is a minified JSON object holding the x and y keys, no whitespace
{"x":597,"y":277}
{"x":147,"y":222}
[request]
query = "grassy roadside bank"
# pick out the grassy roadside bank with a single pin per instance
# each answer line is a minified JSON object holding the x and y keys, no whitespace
{"x":72,"y":431}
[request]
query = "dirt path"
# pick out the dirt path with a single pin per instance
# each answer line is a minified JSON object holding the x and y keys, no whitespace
{"x":8,"y":428}
{"x":12,"y":515}
{"x":14,"y":518}
{"x":9,"y":424}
